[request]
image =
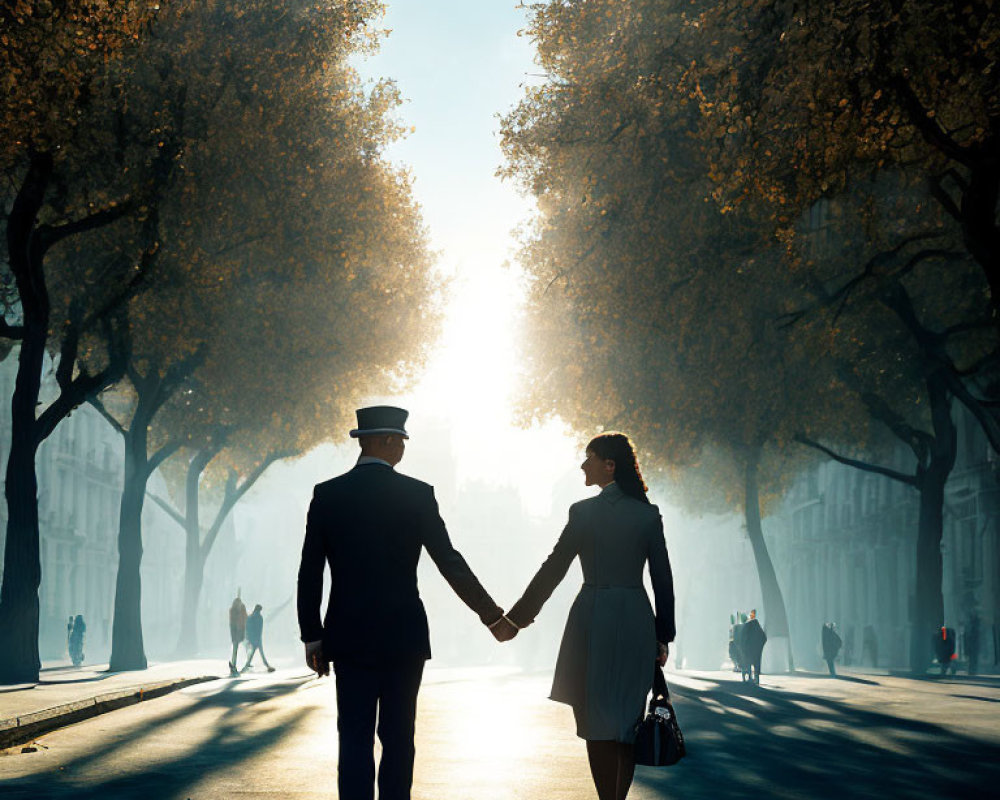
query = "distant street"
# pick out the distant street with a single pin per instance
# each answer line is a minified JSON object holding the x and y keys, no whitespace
{"x":489,"y":735}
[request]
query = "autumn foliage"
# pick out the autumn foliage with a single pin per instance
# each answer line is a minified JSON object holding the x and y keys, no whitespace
{"x":756,"y":221}
{"x":233,"y":243}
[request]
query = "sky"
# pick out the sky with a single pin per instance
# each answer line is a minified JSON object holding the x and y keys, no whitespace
{"x":459,"y":65}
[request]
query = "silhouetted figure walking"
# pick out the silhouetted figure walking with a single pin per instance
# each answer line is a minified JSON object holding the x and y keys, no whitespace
{"x":734,"y":654}
{"x":255,"y":638}
{"x":752,"y":641}
{"x":944,"y":647}
{"x":76,"y":640}
{"x":69,"y":634}
{"x":831,"y":645}
{"x":237,"y":630}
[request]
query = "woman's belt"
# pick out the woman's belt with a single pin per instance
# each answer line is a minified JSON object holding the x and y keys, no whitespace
{"x":589,"y":585}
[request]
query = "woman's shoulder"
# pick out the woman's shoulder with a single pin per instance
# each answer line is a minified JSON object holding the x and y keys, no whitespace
{"x":585,"y":505}
{"x":646,"y":510}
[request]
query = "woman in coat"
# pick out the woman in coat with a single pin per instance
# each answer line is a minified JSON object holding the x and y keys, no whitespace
{"x":612,"y":638}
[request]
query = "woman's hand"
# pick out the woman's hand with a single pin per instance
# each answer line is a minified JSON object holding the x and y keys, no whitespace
{"x":661,"y":657}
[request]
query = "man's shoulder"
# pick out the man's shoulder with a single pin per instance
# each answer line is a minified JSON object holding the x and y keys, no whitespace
{"x":408,"y":486}
{"x":397,"y":480}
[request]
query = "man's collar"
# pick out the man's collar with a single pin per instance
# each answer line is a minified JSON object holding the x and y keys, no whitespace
{"x":362,"y":460}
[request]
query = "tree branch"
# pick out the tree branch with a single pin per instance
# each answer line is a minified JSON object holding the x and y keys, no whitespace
{"x":909,"y":480}
{"x":172,"y":512}
{"x":97,"y":403}
{"x":8,"y":331}
{"x":48,"y":235}
{"x":947,"y":203}
{"x":74,"y":391}
{"x":917,"y":440}
{"x":986,"y":419}
{"x":234,"y":493}
{"x":966,"y":327}
{"x":929,"y":128}
{"x":161,"y":455}
{"x":842,"y":295}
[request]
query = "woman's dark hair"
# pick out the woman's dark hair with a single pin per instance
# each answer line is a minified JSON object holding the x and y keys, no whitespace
{"x":618,"y":447}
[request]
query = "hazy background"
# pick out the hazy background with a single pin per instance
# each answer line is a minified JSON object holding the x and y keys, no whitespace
{"x":504,"y":490}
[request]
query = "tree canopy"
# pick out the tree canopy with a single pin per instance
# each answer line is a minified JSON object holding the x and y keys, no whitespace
{"x":717,"y":294}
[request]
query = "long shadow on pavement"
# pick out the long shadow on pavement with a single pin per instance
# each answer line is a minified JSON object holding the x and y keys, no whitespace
{"x":748,"y":741}
{"x":225,"y":745}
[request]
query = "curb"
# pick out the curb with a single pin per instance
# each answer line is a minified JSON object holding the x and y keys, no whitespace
{"x":20,"y":730}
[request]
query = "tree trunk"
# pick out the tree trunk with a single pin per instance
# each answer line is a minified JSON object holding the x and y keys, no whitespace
{"x":979,"y":224}
{"x":194,"y":558}
{"x":194,"y":578}
{"x":774,"y":603}
{"x":22,"y":572}
{"x":22,"y":575}
{"x":928,"y":608}
{"x":127,"y":651}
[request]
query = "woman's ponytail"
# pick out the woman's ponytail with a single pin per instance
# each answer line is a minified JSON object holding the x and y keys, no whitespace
{"x":618,"y":447}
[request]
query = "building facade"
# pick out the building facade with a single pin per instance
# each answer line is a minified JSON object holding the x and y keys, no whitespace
{"x":80,"y":470}
{"x":844,"y":546}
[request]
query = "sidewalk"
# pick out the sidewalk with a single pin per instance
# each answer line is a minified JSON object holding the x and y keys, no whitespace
{"x":67,"y":694}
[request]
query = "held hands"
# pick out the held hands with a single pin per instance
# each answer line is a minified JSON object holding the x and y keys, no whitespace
{"x":315,"y":660}
{"x":503,"y":629}
{"x":661,"y":654}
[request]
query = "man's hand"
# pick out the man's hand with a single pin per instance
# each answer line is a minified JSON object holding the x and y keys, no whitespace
{"x":503,"y":629}
{"x":661,"y":656}
{"x":315,"y":659}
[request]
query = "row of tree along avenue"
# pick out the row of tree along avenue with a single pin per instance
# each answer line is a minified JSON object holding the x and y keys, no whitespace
{"x":767,"y":233}
{"x":201,"y":234}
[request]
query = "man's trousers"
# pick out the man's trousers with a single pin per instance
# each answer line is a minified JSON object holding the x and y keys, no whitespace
{"x":386,"y":693}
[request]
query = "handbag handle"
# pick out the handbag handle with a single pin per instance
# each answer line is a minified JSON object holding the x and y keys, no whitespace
{"x":659,"y":684}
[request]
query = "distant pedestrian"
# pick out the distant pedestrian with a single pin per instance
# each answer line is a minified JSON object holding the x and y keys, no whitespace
{"x":76,"y":640}
{"x":255,"y":638}
{"x":944,"y":648}
{"x":831,"y":645}
{"x":869,"y":645}
{"x":734,"y":654}
{"x":237,"y":629}
{"x":972,"y":643}
{"x":69,"y":634}
{"x":752,"y":641}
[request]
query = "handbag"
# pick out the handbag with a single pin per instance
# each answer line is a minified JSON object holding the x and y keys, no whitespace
{"x":658,"y":739}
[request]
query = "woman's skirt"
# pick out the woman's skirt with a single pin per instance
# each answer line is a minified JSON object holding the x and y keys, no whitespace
{"x":606,"y":660}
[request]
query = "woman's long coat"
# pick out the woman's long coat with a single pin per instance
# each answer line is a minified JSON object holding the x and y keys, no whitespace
{"x":605,"y":664}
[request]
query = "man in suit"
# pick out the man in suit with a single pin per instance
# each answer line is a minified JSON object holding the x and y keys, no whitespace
{"x":370,"y":525}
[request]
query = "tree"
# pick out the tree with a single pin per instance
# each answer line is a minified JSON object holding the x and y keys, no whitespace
{"x":897,"y":337}
{"x":651,"y":310}
{"x":800,"y":101}
{"x":659,"y":309}
{"x":58,"y":99}
{"x":284,"y":234}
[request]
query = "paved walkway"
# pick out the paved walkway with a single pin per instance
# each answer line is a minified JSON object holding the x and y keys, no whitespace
{"x":62,"y":683}
{"x":66,"y":694}
{"x":492,"y":735}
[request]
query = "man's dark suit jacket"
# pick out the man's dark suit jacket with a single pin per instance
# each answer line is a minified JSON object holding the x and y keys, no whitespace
{"x":370,"y":525}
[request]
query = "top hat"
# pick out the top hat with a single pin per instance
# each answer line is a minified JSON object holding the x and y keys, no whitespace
{"x":376,"y":420}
